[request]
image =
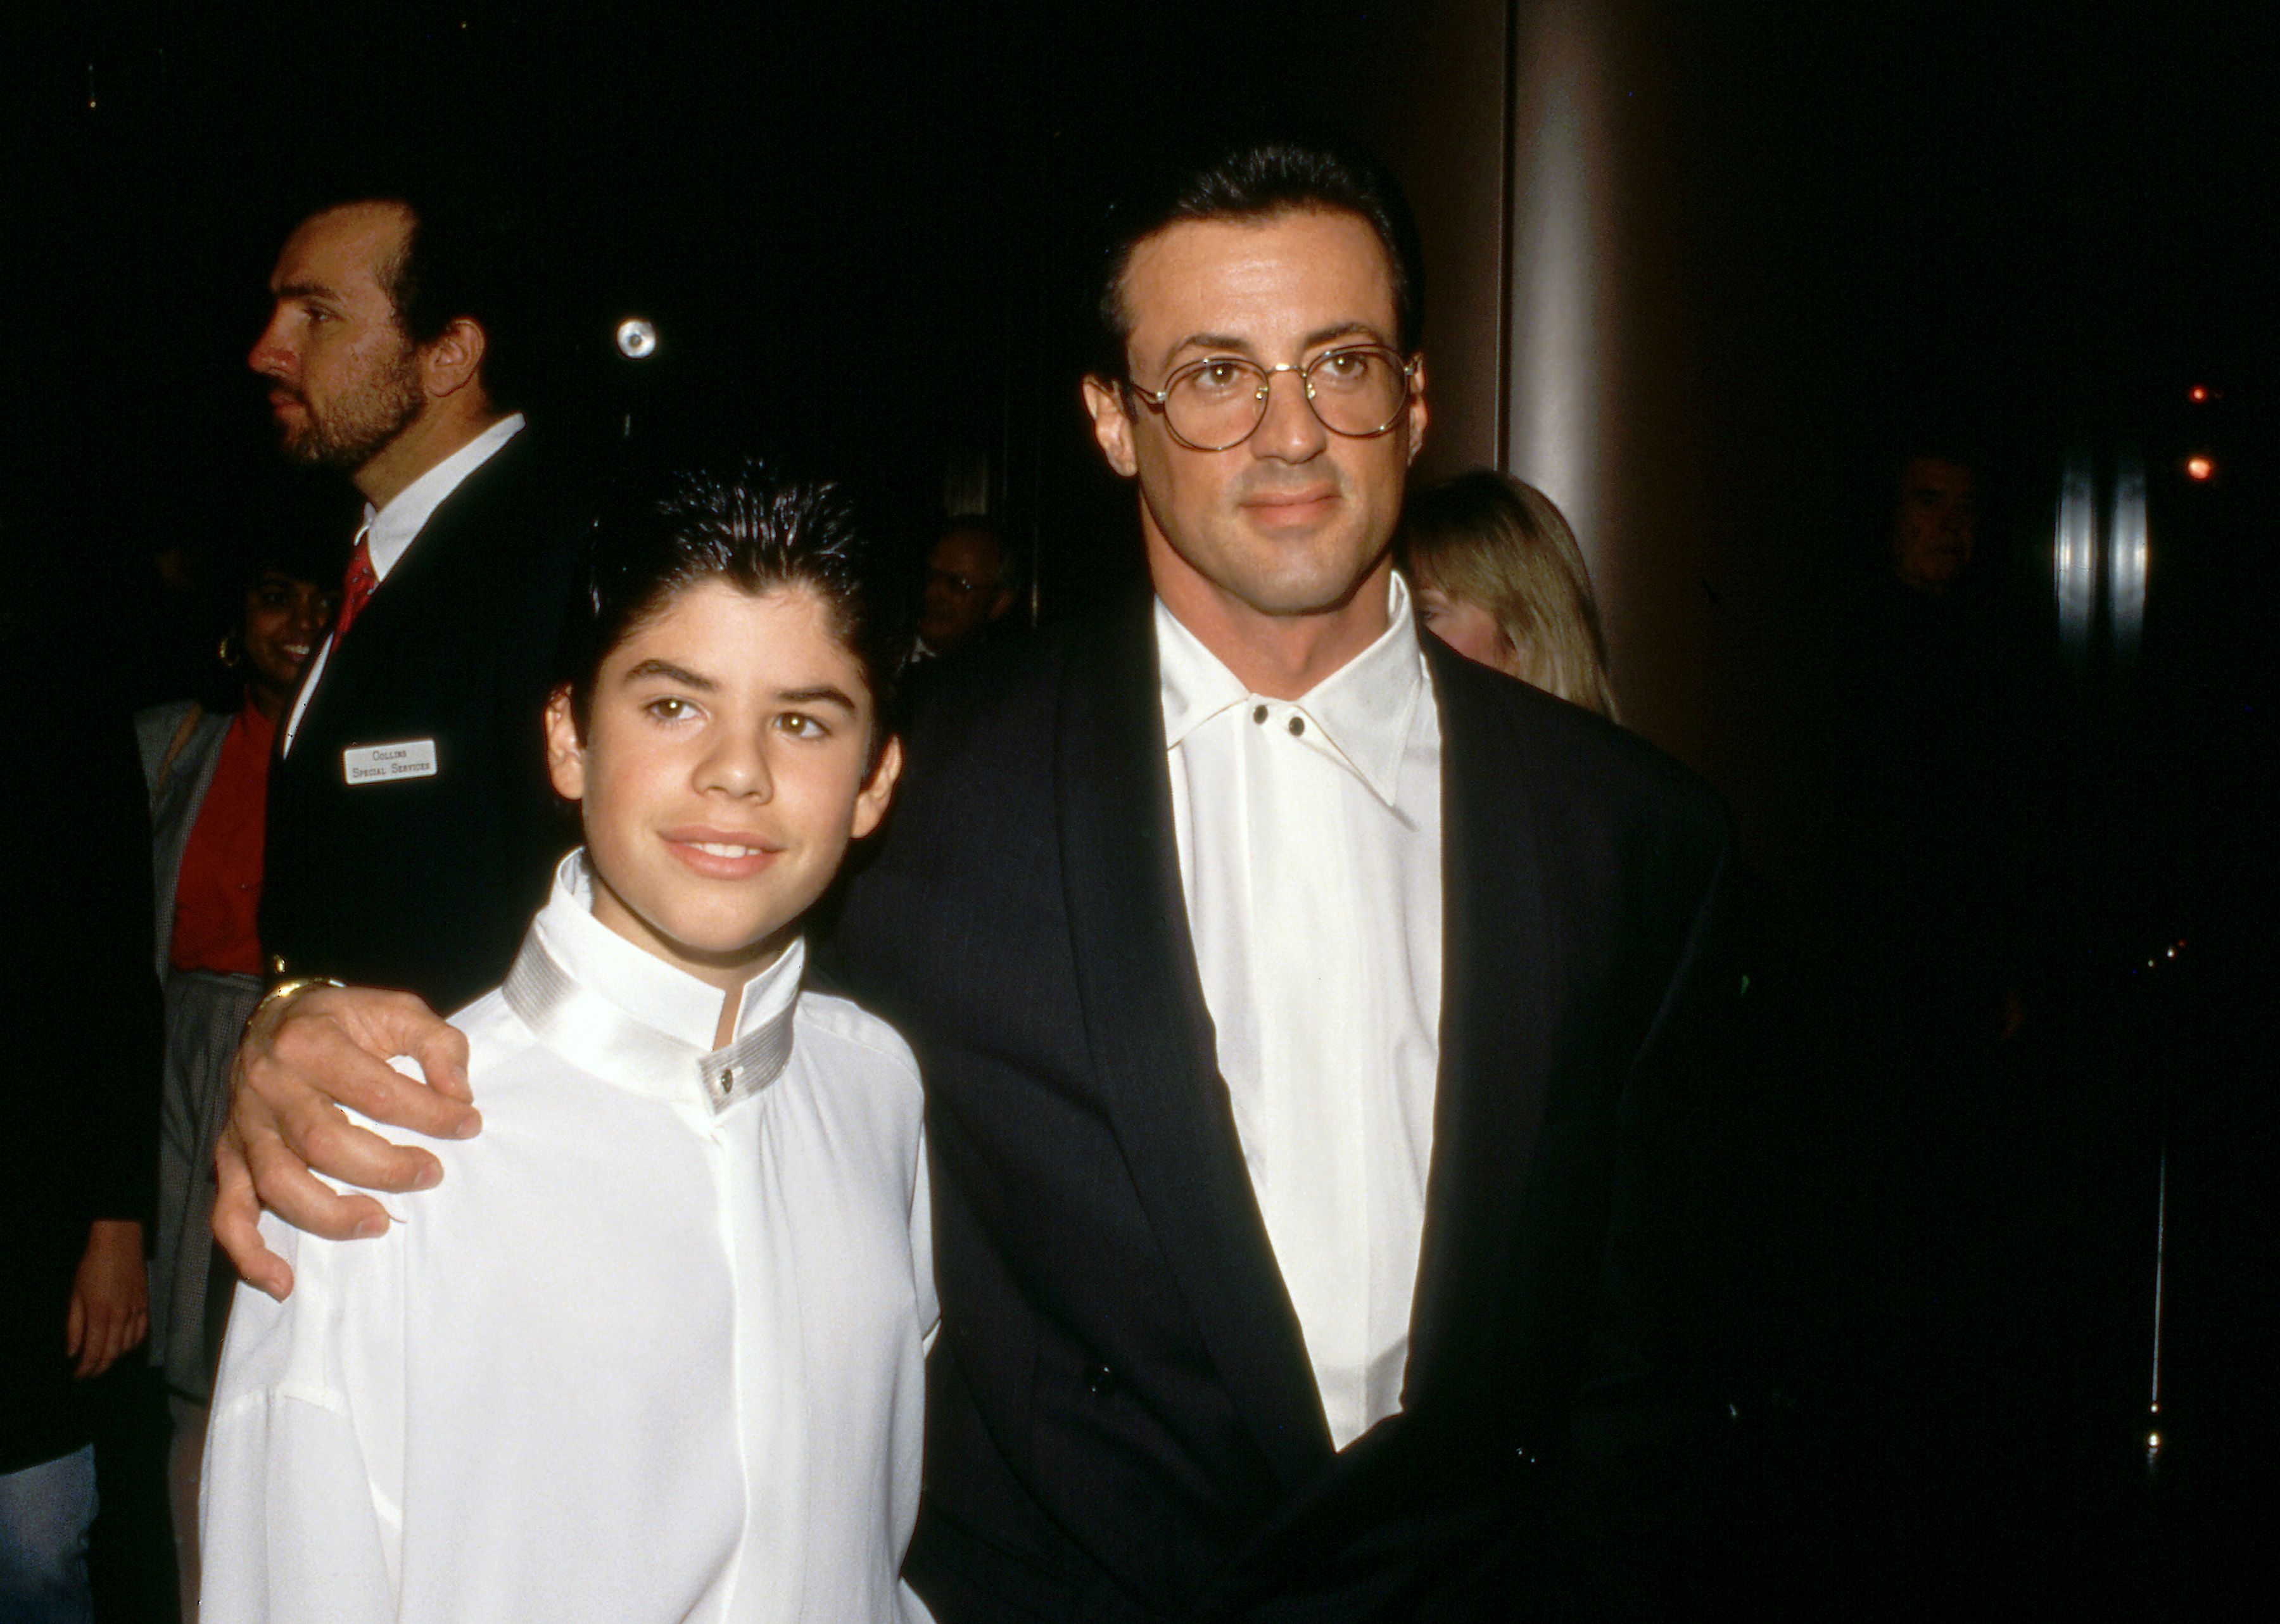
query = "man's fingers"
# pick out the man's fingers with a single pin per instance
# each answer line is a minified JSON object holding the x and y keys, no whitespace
{"x":316,"y":1058}
{"x":75,"y":1326}
{"x":100,"y":1345}
{"x":106,"y":1345}
{"x":404,"y":1025}
{"x":305,"y":1201}
{"x":298,"y":1059}
{"x":327,"y":1143}
{"x":386,"y":1094}
{"x":386,"y":1024}
{"x":442,"y":1056}
{"x":237,"y":1222}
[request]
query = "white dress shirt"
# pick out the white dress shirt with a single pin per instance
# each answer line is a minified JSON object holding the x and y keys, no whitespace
{"x":651,"y":1351}
{"x":1310,"y":856}
{"x":387,"y":532}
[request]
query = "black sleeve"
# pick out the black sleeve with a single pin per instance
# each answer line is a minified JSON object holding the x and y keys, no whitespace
{"x":1642,"y":1429}
{"x":118,"y":1113}
{"x":82,"y":1007}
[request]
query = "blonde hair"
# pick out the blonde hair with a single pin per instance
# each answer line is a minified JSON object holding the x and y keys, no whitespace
{"x":1488,"y":539}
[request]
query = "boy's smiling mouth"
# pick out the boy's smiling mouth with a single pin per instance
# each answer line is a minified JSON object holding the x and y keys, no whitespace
{"x":721,"y":854}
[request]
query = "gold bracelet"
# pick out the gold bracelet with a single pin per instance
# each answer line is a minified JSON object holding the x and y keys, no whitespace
{"x":291,"y":986}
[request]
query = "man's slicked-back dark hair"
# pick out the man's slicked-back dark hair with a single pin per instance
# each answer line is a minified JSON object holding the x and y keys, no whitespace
{"x":1253,"y":177}
{"x":467,"y":256}
{"x":741,"y":522}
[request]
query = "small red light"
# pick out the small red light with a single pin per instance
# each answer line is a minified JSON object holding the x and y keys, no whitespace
{"x":2199,"y":467}
{"x":2198,"y":393}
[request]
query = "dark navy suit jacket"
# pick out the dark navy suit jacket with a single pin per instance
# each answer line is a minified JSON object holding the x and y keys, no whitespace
{"x":1123,"y":1421}
{"x":428,"y":883}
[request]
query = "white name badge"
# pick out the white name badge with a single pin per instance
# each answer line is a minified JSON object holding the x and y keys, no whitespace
{"x":380,"y":764}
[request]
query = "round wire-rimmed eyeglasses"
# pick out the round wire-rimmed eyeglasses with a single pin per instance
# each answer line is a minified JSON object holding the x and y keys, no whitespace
{"x":1216,"y":403}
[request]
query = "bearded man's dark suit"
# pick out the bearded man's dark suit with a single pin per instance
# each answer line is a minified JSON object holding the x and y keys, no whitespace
{"x":1123,"y":1421}
{"x":428,"y":883}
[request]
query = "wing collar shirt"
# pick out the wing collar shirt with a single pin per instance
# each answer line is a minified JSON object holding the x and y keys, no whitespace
{"x":1309,"y":836}
{"x":652,"y":1349}
{"x":387,"y":532}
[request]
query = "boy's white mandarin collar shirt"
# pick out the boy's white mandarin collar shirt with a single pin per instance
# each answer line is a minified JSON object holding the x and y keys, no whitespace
{"x":653,"y":1351}
{"x":1309,"y":836}
{"x":634,"y":1020}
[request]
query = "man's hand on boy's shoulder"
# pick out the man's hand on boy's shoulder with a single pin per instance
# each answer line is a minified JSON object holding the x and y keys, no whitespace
{"x":303,"y":1057}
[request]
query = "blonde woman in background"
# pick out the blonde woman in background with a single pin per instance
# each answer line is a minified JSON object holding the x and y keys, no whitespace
{"x":1500,"y":580}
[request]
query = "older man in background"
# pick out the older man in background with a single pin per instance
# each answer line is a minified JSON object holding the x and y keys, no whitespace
{"x":970,"y":587}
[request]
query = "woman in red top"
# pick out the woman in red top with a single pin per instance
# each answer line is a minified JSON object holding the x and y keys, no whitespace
{"x":208,"y":772}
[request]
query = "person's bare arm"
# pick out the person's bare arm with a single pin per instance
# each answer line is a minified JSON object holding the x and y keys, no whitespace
{"x":301,"y":1059}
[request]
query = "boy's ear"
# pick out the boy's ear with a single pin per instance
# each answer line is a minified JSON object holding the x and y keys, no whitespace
{"x":565,"y":754}
{"x":871,"y":802}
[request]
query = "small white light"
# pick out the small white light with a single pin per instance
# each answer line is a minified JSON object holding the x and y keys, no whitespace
{"x":2152,"y":1440}
{"x":637,"y":338}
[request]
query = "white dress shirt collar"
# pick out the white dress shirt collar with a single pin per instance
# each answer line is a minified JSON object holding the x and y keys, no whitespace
{"x":1362,"y":711}
{"x":632,"y":1020}
{"x":389,"y":530}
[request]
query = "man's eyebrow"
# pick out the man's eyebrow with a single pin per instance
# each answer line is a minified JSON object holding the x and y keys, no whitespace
{"x":671,"y":673}
{"x":304,"y":290}
{"x":1343,"y":330}
{"x":826,"y":694}
{"x":1243,"y":346}
{"x":1208,"y":340}
{"x":1212,"y":340}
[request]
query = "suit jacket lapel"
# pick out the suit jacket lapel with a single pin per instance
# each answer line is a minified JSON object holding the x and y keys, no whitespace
{"x":1500,"y":997}
{"x":1151,"y":1037}
{"x":406,"y":608}
{"x":332,"y":713}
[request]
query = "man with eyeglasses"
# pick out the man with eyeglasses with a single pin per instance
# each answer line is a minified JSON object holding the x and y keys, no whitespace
{"x":968,"y":590}
{"x":1305,"y":1013}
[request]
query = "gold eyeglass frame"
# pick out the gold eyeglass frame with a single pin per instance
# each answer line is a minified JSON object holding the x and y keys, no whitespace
{"x":1158,"y":398}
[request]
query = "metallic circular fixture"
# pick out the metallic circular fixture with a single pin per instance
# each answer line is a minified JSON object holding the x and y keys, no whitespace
{"x":637,"y":338}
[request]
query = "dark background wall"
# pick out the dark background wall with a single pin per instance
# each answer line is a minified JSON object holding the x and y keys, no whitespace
{"x":1695,"y":268}
{"x":1704,"y":272}
{"x":1701,"y":269}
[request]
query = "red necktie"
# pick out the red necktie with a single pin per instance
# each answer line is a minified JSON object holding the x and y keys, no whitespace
{"x":356,"y":588}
